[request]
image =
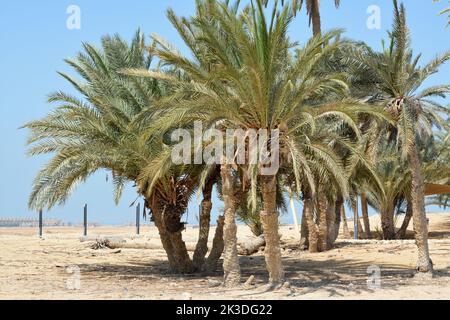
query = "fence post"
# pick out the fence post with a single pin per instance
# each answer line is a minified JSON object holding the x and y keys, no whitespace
{"x":85,"y":220}
{"x":138,"y":218}
{"x":40,"y":223}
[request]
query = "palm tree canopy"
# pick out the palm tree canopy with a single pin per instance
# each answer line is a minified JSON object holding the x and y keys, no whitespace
{"x":94,"y":132}
{"x":398,"y":79}
{"x":252,"y":77}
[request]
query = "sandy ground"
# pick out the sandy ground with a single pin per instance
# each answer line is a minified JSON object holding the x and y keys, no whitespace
{"x":59,"y":266}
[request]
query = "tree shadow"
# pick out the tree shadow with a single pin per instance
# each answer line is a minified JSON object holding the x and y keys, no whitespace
{"x":336,"y":276}
{"x":156,"y":269}
{"x":444,"y":233}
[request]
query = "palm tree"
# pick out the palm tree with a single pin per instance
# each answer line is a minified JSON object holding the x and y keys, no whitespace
{"x":312,"y":10}
{"x":397,"y":77}
{"x":254,"y":81}
{"x":396,"y":178}
{"x":96,"y":132}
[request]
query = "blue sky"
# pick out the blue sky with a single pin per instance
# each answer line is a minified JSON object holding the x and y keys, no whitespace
{"x":35,"y":40}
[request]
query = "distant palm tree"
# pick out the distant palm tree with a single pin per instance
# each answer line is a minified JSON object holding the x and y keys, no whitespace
{"x":397,"y":77}
{"x":312,"y":9}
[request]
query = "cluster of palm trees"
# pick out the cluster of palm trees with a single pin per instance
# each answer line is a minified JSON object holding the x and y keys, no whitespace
{"x":352,"y":122}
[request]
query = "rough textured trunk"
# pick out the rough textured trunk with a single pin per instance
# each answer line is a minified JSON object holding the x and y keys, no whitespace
{"x":315,"y":17}
{"x":361,"y":234}
{"x":356,"y":223}
{"x":387,"y":224}
{"x":322,"y":208}
{"x":231,"y":268}
{"x":217,"y":247}
{"x":180,"y":253}
{"x":269,"y":220}
{"x":204,"y":220}
{"x":157,"y":213}
{"x":304,"y":234}
{"x":313,"y":231}
{"x":401,"y":233}
{"x":424,"y":264}
{"x":365,"y":215}
{"x":171,"y":216}
{"x":347,"y":234}
{"x":331,"y":222}
{"x":337,"y":217}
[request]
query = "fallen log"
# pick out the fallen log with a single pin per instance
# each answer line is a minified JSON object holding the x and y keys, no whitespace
{"x":120,"y":243}
{"x":102,"y":239}
{"x":251,"y":246}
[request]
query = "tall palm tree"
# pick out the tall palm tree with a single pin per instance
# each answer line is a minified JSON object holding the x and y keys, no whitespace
{"x":397,"y":78}
{"x":312,"y":10}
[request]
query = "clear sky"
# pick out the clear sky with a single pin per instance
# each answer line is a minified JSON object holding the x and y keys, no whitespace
{"x":35,"y":40}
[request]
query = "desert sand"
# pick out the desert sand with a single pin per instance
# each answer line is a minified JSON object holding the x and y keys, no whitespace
{"x":60,"y":266}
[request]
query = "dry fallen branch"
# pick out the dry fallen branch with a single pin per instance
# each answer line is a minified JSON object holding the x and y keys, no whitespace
{"x":121,"y":243}
{"x":251,"y":246}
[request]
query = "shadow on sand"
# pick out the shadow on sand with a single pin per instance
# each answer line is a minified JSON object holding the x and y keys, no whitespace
{"x":336,"y":276}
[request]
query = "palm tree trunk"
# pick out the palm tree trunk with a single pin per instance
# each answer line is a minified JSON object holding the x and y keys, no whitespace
{"x":337,"y":217}
{"x":205,"y":218}
{"x":269,"y":220}
{"x":313,"y":230}
{"x":357,"y":228}
{"x":387,"y":224}
{"x":361,"y":233}
{"x":322,"y":206}
{"x":401,"y":234}
{"x":217,"y":247}
{"x":424,"y":264}
{"x":163,"y":235}
{"x":365,"y":215}
{"x":315,"y":18}
{"x":304,"y":239}
{"x":231,"y":268}
{"x":347,"y":234}
{"x":171,"y":218}
{"x":181,"y":254}
{"x":331,"y":224}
